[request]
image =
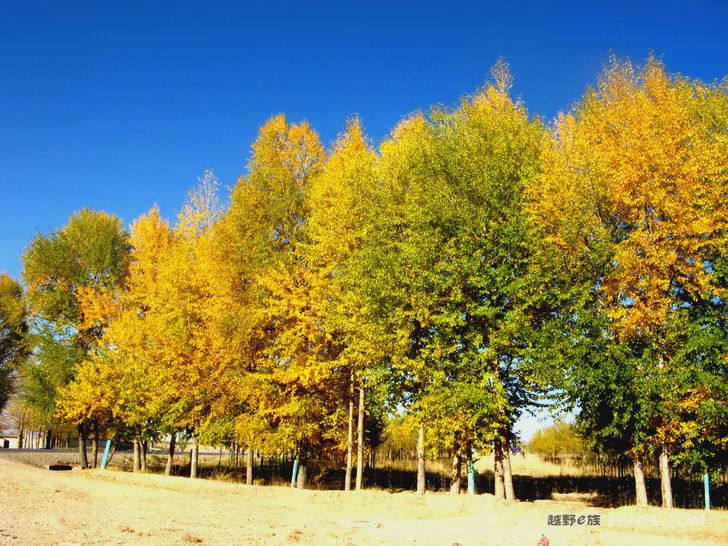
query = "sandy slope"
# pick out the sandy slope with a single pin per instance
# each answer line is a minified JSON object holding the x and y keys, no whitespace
{"x":96,"y":507}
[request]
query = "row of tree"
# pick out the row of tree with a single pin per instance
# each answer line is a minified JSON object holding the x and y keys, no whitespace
{"x":475,"y":265}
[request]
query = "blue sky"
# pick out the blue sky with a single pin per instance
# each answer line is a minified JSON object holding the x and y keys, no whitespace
{"x":121,"y":105}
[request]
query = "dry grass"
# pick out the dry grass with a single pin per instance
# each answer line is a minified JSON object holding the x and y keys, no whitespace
{"x":522,"y":465}
{"x":110,"y":507}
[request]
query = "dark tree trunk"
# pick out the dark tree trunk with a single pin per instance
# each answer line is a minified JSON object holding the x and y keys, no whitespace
{"x":170,"y":456}
{"x":500,"y":487}
{"x":421,"y":476}
{"x":95,"y":445}
{"x":143,"y":459}
{"x":456,"y":473}
{"x":49,"y":438}
{"x":302,"y":477}
{"x":137,"y":464}
{"x":360,"y":441}
{"x":249,"y":466}
{"x":82,"y":446}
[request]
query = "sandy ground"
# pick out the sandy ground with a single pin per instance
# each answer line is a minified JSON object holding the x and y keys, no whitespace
{"x":38,"y":506}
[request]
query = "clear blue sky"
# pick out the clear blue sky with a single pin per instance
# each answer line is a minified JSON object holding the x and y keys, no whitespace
{"x":118,"y":106}
{"x":121,"y":105}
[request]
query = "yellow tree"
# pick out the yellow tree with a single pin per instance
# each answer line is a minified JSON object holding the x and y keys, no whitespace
{"x":640,"y":165}
{"x":336,"y":197}
{"x":249,"y":260}
{"x":189,"y":366}
{"x":118,"y":385}
{"x":286,"y":158}
{"x":89,"y":253}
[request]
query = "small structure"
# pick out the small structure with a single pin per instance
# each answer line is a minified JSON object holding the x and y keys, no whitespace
{"x":9,"y":441}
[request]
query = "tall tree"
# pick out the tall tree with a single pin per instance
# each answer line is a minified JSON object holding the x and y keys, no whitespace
{"x":450,"y":250}
{"x":89,"y":252}
{"x":638,"y":168}
{"x":336,"y":199}
{"x":268,"y":218}
{"x":13,"y":328}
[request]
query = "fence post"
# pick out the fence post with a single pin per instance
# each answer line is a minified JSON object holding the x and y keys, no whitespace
{"x":105,"y":458}
{"x":706,"y":484}
{"x":295,"y":472}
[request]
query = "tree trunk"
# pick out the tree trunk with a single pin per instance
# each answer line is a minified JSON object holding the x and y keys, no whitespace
{"x":639,"y":483}
{"x":111,"y":453}
{"x":136,"y":463}
{"x":170,"y":457}
{"x":49,"y":438}
{"x":507,"y":475}
{"x":95,"y":445}
{"x":249,"y":466}
{"x":665,"y":482}
{"x":82,"y":446}
{"x":194,"y":457}
{"x":349,"y":444}
{"x":471,"y":469}
{"x":360,"y":441}
{"x":302,"y":477}
{"x":421,"y":476}
{"x":500,"y":486}
{"x":456,"y":473}
{"x":143,"y":459}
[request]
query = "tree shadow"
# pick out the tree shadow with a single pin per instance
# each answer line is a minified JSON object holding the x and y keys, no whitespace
{"x":596,"y":491}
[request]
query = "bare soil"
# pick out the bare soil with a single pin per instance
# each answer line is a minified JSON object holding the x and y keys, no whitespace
{"x":38,"y":506}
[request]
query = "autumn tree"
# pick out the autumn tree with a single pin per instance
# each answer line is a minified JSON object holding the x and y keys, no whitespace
{"x":278,"y":390}
{"x":89,"y":252}
{"x":120,"y":383}
{"x":637,"y":167}
{"x":13,"y":328}
{"x":450,"y":247}
{"x":337,"y":198}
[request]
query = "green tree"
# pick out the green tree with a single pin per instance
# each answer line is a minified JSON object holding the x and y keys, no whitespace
{"x":13,"y":328}
{"x":632,"y":187}
{"x":90,"y":253}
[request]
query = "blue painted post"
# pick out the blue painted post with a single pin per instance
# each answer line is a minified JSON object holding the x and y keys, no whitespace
{"x":105,"y":458}
{"x":706,"y":484}
{"x":471,"y":478}
{"x":295,"y":472}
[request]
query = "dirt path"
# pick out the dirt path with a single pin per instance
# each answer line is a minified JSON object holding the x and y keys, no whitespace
{"x":97,"y":507}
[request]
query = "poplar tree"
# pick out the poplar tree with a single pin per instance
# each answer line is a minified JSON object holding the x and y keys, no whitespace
{"x":89,"y":253}
{"x":13,"y":329}
{"x":637,"y":166}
